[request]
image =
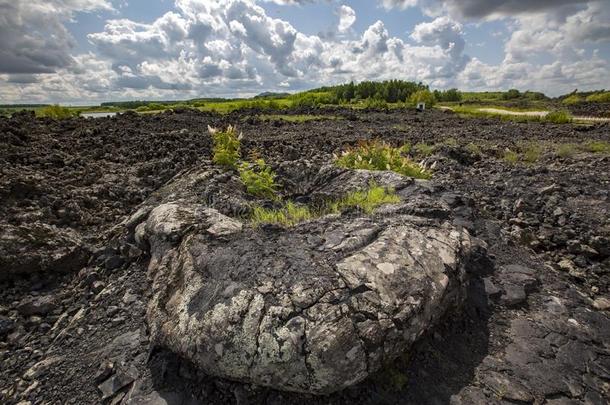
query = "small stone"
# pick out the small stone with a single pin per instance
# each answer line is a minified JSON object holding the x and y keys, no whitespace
{"x":514,"y":295}
{"x":37,"y":306}
{"x":104,"y":371}
{"x":506,"y":388}
{"x":566,"y":265}
{"x":41,"y":367}
{"x":113,"y":262}
{"x":550,"y":189}
{"x":114,"y":384}
{"x":6,"y":326}
{"x":602,"y":304}
{"x":129,"y":298}
{"x":491,"y":289}
{"x":97,"y":286}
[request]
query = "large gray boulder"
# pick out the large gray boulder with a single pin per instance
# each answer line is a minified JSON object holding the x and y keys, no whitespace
{"x":314,"y":308}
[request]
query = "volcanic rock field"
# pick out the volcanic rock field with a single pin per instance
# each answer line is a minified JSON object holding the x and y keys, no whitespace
{"x":131,"y":273}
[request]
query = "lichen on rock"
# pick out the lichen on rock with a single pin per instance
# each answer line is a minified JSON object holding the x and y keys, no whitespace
{"x":312,"y":308}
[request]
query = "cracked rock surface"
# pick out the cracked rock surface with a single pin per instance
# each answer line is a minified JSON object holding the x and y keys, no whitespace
{"x":314,"y":308}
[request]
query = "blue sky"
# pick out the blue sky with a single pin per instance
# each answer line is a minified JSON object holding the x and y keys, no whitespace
{"x":75,"y":51}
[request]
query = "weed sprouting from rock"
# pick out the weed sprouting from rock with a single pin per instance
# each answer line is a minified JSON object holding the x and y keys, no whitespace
{"x":258,"y":178}
{"x":423,"y":149}
{"x":531,"y":153}
{"x":566,"y":150}
{"x":366,"y":200}
{"x":377,"y":155}
{"x":598,"y":147}
{"x":290,"y":213}
{"x":226,"y":150}
{"x":510,"y":156}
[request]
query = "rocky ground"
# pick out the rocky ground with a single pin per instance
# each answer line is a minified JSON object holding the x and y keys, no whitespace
{"x":534,"y":328}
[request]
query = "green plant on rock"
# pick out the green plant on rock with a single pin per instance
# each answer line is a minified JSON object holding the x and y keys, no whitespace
{"x":510,"y":156}
{"x":226,"y":149}
{"x":258,"y":178}
{"x":377,"y":155}
{"x":289,"y":214}
{"x":531,"y":153}
{"x":566,"y":150}
{"x":423,"y":149}
{"x":474,"y":149}
{"x":366,"y":200}
{"x":597,"y":146}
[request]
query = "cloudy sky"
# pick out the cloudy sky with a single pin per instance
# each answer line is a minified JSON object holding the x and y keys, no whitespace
{"x":75,"y":51}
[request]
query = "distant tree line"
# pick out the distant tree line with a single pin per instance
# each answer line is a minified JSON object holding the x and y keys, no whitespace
{"x":391,"y":91}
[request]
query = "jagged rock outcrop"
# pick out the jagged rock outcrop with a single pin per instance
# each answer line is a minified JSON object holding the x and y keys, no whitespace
{"x":313,"y":308}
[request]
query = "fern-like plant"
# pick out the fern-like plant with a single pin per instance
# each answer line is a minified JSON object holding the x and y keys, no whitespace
{"x":258,"y":178}
{"x":226,"y":150}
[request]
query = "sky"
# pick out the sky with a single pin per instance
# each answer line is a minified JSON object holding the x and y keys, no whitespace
{"x":90,"y":51}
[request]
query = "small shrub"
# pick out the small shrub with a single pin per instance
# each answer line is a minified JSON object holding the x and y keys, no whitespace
{"x":510,"y":156}
{"x":289,"y":215}
{"x":375,"y":104}
{"x":366,"y":200}
{"x":532,"y":153}
{"x":566,"y":150}
{"x":573,"y":99}
{"x":258,"y":178}
{"x":474,"y":148}
{"x":603,"y":97}
{"x":226,"y":150}
{"x":58,"y":112}
{"x":423,"y":149}
{"x":558,"y":117}
{"x":377,"y":155}
{"x":422,"y":96}
{"x":450,"y":142}
{"x":598,"y":146}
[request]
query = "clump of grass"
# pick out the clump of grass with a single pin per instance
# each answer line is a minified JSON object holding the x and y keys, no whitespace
{"x":258,"y":178}
{"x":566,"y":150}
{"x":58,"y":112}
{"x":597,"y":146}
{"x":288,"y":215}
{"x":474,"y":148}
{"x":559,"y":117}
{"x":531,"y":153}
{"x":291,"y":214}
{"x":423,"y":149}
{"x":450,"y":142}
{"x":510,"y":156}
{"x":377,"y":155}
{"x":366,"y":200}
{"x":226,"y":150}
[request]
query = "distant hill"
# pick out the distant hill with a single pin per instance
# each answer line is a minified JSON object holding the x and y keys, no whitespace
{"x":269,"y":94}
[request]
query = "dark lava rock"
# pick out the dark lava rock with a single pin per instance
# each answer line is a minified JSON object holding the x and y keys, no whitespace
{"x":37,"y":306}
{"x":39,"y":247}
{"x":276,"y":307}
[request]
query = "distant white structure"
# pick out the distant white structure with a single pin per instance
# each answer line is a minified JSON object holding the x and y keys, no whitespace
{"x":421,"y":106}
